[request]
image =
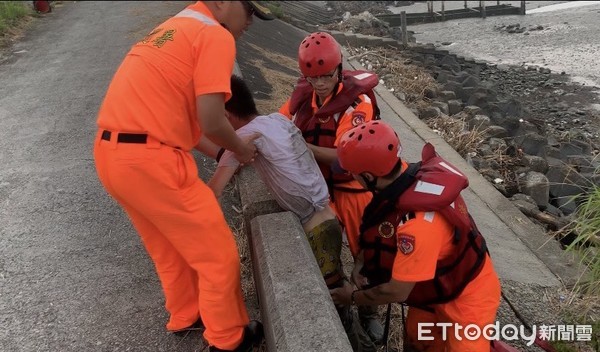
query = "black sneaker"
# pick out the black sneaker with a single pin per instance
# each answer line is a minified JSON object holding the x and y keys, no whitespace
{"x":253,"y":336}
{"x":198,"y":325}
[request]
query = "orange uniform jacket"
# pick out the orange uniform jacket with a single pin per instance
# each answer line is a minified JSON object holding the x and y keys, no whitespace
{"x":154,"y":90}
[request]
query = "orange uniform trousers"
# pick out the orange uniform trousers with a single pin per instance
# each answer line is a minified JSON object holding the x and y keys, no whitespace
{"x":349,"y":207}
{"x":184,"y":231}
{"x":477,"y":305}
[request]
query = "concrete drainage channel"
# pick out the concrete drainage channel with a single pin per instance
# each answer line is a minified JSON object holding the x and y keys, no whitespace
{"x":295,"y":305}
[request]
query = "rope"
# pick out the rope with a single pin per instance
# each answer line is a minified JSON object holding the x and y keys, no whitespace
{"x":386,"y":330}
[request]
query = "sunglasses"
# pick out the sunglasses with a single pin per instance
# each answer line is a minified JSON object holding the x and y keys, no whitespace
{"x":314,"y":79}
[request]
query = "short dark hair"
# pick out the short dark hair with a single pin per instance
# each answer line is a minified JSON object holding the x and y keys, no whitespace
{"x":241,"y":102}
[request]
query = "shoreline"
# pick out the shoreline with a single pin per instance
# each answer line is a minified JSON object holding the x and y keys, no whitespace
{"x":562,"y":41}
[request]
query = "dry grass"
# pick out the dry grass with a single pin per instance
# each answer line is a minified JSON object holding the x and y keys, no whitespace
{"x":399,"y":73}
{"x":505,"y":163}
{"x":578,"y":309}
{"x":282,"y":88}
{"x":572,"y":302}
{"x":413,"y":82}
{"x":282,"y":84}
{"x":236,"y":222}
{"x":455,"y":132}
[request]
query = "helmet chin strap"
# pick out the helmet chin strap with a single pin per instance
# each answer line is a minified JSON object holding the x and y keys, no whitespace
{"x":370,"y":184}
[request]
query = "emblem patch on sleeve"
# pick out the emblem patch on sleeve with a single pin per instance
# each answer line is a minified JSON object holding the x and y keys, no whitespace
{"x":358,"y":118}
{"x":406,"y":244}
{"x":166,"y":36}
{"x":147,"y":38}
{"x":386,"y":229}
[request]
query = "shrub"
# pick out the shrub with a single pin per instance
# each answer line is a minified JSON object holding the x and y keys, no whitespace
{"x":275,"y":8}
{"x":586,"y":226}
{"x":11,"y":12}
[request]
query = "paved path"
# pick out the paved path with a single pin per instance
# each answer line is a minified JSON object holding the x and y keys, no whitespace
{"x":73,"y":274}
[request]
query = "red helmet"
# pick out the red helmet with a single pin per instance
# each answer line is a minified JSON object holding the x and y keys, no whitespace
{"x":318,"y":54}
{"x":372,"y":147}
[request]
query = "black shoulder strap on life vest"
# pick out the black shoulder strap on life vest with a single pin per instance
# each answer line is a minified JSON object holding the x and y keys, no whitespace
{"x":384,"y":201}
{"x":376,"y":111}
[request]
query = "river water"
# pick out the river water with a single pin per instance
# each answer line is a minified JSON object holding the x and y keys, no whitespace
{"x":569,"y":41}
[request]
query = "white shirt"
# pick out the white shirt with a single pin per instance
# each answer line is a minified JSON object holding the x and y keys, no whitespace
{"x":286,"y":165}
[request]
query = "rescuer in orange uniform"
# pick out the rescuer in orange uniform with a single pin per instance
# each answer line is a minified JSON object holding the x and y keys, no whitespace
{"x":419,"y":245}
{"x":327,"y":102}
{"x":168,"y":92}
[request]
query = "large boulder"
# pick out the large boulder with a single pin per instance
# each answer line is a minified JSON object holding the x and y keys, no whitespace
{"x":566,"y":184}
{"x":429,"y":112}
{"x":454,"y":106}
{"x":535,"y":163}
{"x":532,"y":143}
{"x":480,"y":122}
{"x":535,"y":185}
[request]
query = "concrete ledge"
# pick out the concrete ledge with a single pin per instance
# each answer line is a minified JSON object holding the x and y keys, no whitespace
{"x":350,"y":40}
{"x":363,"y":40}
{"x":296,"y":308}
{"x":392,"y":42}
{"x":339,"y":36}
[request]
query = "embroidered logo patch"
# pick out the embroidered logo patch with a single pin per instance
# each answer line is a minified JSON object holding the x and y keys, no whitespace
{"x":406,"y":244}
{"x":166,"y":36}
{"x":386,"y":229}
{"x":358,"y":118}
{"x":324,"y":119}
{"x":147,"y":38}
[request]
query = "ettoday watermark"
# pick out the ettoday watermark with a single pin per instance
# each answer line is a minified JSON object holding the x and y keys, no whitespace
{"x":508,"y":332}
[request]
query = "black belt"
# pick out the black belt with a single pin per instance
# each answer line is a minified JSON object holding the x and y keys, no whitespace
{"x":126,"y":137}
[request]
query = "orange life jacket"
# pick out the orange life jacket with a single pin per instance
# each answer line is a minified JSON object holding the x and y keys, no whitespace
{"x":320,"y":128}
{"x":397,"y":204}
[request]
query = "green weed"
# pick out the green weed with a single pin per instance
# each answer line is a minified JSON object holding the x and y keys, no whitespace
{"x":587,"y":227}
{"x":11,"y":12}
{"x":276,"y":9}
